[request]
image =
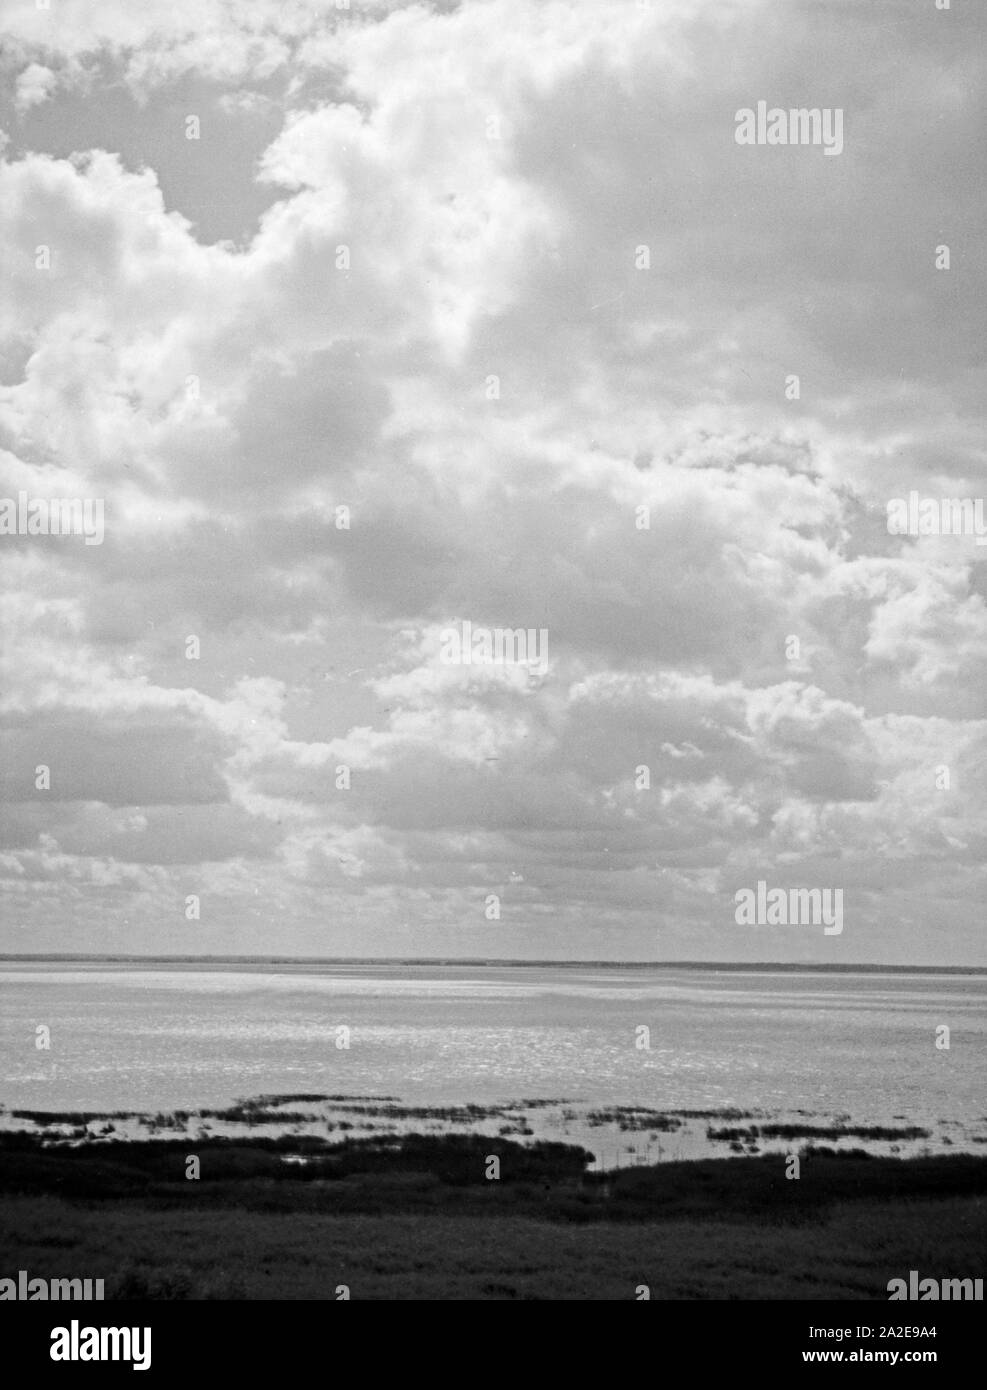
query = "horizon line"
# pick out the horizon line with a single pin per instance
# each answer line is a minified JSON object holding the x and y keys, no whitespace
{"x":822,"y":966}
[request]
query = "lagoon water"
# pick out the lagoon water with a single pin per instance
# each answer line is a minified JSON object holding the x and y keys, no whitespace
{"x":160,"y":1037}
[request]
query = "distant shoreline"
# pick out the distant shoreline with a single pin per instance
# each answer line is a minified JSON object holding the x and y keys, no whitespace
{"x":779,"y":967}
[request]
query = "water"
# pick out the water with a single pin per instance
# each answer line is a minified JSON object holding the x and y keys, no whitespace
{"x":857,"y":1045}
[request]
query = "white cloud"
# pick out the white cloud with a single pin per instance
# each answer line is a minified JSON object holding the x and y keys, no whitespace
{"x":493,"y":391}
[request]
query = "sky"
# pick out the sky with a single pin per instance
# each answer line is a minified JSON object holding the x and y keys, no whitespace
{"x":362,"y":323}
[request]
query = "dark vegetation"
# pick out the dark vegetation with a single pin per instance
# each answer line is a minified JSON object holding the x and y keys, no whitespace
{"x":452,"y":1114}
{"x":428,"y":1173}
{"x":74,"y":1117}
{"x":415,"y":1217}
{"x":727,"y":1114}
{"x":268,"y":1109}
{"x":782,"y":1131}
{"x":303,"y":1096}
{"x":632,"y":1117}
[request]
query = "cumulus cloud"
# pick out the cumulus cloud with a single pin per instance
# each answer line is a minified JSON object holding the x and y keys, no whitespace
{"x":508,"y":345}
{"x":34,"y":85}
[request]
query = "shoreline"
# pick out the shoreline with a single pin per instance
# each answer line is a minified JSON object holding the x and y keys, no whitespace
{"x":613,"y":1136}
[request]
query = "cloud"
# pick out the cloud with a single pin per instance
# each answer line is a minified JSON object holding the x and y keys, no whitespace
{"x":436,"y":382}
{"x":34,"y":85}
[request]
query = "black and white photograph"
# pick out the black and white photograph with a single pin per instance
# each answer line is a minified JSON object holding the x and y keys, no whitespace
{"x":493,"y":565}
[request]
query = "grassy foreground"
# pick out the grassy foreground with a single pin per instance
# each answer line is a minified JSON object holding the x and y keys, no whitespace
{"x":416,"y":1217}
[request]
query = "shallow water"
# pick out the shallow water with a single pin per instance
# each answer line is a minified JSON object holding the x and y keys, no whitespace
{"x":858,"y":1045}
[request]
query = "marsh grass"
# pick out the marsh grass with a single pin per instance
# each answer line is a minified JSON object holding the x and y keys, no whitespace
{"x":633,"y":1117}
{"x":838,"y":1131}
{"x":379,"y":1174}
{"x":73,"y":1117}
{"x":150,"y":1252}
{"x":414,"y":1216}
